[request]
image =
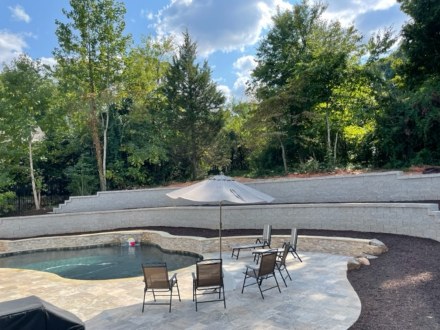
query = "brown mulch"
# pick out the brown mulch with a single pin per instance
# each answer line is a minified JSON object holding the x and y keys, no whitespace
{"x":399,"y":290}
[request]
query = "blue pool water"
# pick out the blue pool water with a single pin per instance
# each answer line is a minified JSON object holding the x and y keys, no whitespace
{"x":98,"y":263}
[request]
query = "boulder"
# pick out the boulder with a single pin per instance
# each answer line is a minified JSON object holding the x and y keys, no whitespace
{"x":353,"y":264}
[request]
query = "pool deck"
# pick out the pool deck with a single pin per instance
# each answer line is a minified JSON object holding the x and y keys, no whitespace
{"x":319,"y":297}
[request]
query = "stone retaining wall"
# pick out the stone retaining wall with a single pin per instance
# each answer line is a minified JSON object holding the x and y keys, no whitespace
{"x":373,"y":187}
{"x":335,"y":245}
{"x":412,"y":219}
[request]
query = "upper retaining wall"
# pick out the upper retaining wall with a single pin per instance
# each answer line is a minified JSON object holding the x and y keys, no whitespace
{"x":373,"y":187}
{"x":412,"y":219}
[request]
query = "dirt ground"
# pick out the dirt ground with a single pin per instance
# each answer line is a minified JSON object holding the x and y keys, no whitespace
{"x":399,"y":290}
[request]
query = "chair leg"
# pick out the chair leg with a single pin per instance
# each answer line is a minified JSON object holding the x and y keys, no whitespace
{"x":287,"y":272}
{"x":195,"y":294}
{"x":178,"y":291}
{"x":281,"y":274}
{"x":244,"y":282}
{"x":276,"y":281}
{"x":143,"y":303}
{"x":259,"y":287}
{"x":171,"y":298}
{"x":224,"y":297}
{"x":294,"y":253}
{"x":233,"y":253}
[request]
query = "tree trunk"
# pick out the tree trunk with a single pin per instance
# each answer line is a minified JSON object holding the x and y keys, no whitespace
{"x":93,"y":123}
{"x":104,"y":149}
{"x":34,"y":186}
{"x":283,"y":154}
{"x":193,"y":155}
{"x":335,"y":148}
{"x":329,"y":138}
{"x":193,"y":162}
{"x":327,"y":124}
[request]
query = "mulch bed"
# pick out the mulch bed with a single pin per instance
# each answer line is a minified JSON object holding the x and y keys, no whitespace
{"x":399,"y":290}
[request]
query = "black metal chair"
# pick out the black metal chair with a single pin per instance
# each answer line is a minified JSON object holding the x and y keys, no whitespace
{"x":293,"y":242}
{"x":157,"y":281}
{"x":209,"y":280}
{"x":264,"y":271}
{"x":281,"y":262}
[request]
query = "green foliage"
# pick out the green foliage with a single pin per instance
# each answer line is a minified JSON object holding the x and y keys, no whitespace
{"x":120,"y":117}
{"x":408,"y":131}
{"x":7,"y":200}
{"x":82,"y":178}
{"x":26,"y":100}
{"x":192,"y":110}
{"x":90,"y":65}
{"x":421,"y":42}
{"x":138,"y":133}
{"x":302,"y":63}
{"x":311,"y":165}
{"x":7,"y":197}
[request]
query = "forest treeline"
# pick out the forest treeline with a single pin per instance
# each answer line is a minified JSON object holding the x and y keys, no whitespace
{"x":117,"y":115}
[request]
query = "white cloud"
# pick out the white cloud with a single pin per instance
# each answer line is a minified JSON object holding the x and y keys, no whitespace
{"x":19,"y":14}
{"x":225,"y":25}
{"x":11,"y":45}
{"x":226,"y":92}
{"x":50,"y":61}
{"x":368,"y":16}
{"x":243,"y":67}
{"x":147,"y":14}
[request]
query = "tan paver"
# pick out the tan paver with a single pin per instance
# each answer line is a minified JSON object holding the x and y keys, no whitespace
{"x":319,"y":297}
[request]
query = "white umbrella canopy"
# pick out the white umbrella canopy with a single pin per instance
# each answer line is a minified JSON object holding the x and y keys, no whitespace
{"x":221,"y":188}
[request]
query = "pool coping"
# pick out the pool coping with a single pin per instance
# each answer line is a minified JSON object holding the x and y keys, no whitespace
{"x":353,"y":247}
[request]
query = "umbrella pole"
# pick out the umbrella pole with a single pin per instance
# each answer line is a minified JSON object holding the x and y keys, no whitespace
{"x":220,"y":230}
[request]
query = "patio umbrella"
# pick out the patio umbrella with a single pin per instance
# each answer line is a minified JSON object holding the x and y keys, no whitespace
{"x":219,"y":189}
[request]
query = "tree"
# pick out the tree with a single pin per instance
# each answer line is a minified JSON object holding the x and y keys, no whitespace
{"x":139,"y":133}
{"x":421,"y":42}
{"x":6,"y":194}
{"x":193,"y":107}
{"x":25,"y":101}
{"x":90,"y":59}
{"x":407,"y":131}
{"x":300,"y":62}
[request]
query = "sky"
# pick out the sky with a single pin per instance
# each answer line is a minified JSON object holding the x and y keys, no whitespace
{"x":227,"y":32}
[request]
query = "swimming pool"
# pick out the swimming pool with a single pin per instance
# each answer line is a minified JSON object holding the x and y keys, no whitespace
{"x":99,"y":263}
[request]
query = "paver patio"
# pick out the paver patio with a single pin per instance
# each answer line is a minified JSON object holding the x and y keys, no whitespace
{"x":319,"y":297}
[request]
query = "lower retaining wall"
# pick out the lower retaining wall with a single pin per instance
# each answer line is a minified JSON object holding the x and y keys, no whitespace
{"x":335,"y":245}
{"x":371,"y":187}
{"x":412,"y":219}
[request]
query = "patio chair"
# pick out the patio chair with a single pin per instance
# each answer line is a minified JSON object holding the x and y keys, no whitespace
{"x":281,"y":262}
{"x":157,"y":281}
{"x":259,"y":242}
{"x":208,"y":280}
{"x":293,"y":242}
{"x":292,"y":247}
{"x":265,"y":270}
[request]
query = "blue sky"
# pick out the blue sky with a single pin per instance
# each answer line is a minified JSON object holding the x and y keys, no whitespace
{"x":227,"y":31}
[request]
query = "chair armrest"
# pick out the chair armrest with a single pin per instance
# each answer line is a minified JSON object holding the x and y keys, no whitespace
{"x":173,"y":279}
